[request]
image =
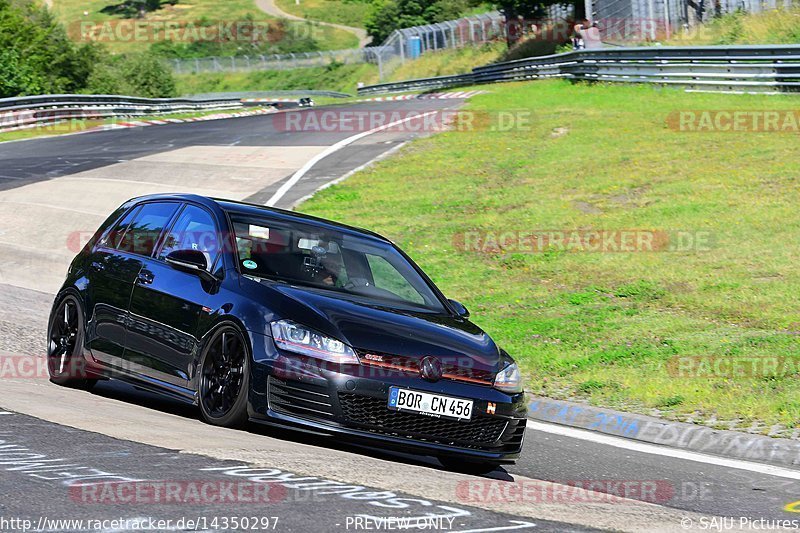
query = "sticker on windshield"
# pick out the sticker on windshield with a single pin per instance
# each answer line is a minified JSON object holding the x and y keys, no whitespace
{"x":250,"y":265}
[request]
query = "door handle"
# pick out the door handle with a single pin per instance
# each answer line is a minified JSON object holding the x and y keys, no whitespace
{"x":146,"y":277}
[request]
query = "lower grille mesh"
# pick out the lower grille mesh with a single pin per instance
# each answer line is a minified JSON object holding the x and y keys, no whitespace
{"x":372,"y":413}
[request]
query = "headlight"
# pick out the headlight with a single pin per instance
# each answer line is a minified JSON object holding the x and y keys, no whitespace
{"x":509,"y":379}
{"x":293,"y":337}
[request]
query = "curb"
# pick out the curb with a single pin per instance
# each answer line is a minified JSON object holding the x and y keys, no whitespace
{"x":426,"y":96}
{"x":160,"y":122}
{"x":692,"y":437}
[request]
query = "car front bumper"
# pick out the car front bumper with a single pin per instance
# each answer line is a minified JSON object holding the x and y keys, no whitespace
{"x":350,"y":402}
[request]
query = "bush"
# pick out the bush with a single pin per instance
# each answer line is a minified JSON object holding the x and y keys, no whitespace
{"x":132,"y":75}
{"x":36,"y":57}
{"x":36,"y":54}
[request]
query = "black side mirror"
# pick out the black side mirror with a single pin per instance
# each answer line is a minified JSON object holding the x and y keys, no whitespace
{"x":459,"y":308}
{"x":190,"y":261}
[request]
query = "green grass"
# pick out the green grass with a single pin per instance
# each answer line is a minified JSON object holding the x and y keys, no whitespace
{"x":770,"y":27}
{"x":446,"y":62}
{"x":343,"y":78}
{"x":348,"y":13}
{"x":71,"y":14}
{"x":602,"y":326}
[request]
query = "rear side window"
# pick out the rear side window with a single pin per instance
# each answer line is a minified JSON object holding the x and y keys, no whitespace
{"x":114,"y":237}
{"x":147,"y":225}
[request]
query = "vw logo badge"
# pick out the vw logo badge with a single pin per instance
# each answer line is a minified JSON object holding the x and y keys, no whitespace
{"x":430,"y":368}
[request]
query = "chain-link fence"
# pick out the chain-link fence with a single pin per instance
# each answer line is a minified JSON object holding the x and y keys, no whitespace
{"x":400,"y":46}
{"x":271,"y":62}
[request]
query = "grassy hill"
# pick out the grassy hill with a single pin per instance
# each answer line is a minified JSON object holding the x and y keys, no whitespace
{"x":78,"y":15}
{"x":353,"y":13}
{"x":607,"y":326}
{"x":343,"y":78}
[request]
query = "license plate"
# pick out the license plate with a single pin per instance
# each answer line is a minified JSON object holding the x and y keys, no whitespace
{"x":428,"y":404}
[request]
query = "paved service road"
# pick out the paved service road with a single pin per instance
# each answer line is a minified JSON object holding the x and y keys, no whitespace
{"x":52,"y":188}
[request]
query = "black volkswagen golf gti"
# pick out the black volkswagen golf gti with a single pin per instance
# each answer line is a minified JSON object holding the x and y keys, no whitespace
{"x":264,"y":315}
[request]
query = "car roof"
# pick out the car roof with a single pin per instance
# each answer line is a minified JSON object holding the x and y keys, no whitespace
{"x":244,"y":208}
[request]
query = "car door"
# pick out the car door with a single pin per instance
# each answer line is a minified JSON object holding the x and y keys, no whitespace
{"x":111,"y":273}
{"x":117,"y":266}
{"x":166,"y":303}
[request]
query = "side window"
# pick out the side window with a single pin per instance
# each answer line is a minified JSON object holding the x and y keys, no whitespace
{"x":387,"y":277}
{"x":146,"y":227}
{"x":194,"y":230}
{"x":114,"y":236}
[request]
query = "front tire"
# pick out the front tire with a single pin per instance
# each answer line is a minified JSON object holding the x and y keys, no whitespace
{"x":65,"y":334}
{"x":224,"y":378}
{"x":463,"y":466}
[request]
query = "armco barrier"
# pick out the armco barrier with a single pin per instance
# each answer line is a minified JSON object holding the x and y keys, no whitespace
{"x":30,"y":111}
{"x":761,"y":68}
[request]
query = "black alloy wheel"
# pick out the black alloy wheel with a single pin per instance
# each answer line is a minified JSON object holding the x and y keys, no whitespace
{"x":224,"y":378}
{"x":65,"y":362}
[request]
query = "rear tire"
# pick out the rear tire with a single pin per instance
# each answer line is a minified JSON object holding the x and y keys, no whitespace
{"x":224,"y":380}
{"x":65,"y":334}
{"x":463,"y":466}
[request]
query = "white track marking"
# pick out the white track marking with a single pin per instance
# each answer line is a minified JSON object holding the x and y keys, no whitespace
{"x":5,"y":413}
{"x":286,"y":187}
{"x":368,"y":164}
{"x":519,"y":525}
{"x":664,"y":451}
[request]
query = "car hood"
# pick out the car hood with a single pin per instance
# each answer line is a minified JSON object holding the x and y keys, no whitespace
{"x":370,"y":327}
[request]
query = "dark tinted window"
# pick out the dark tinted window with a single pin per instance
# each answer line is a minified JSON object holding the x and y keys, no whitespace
{"x":114,"y":237}
{"x":302,"y":254}
{"x":146,"y":227}
{"x":194,"y":230}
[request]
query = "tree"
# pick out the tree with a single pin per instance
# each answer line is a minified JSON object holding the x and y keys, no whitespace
{"x":135,"y":8}
{"x":391,"y":15}
{"x":528,"y":10}
{"x":37,"y":54}
{"x":37,"y":57}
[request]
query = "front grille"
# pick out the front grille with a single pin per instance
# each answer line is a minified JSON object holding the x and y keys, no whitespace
{"x":304,"y":400}
{"x":455,"y":367}
{"x":372,"y":414}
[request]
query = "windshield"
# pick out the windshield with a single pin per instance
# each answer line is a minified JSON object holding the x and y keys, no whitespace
{"x":303,"y":254}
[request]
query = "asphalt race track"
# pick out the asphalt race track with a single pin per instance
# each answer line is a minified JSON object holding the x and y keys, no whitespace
{"x":55,"y":190}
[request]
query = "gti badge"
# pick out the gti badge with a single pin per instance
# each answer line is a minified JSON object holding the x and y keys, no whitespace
{"x":430,"y":368}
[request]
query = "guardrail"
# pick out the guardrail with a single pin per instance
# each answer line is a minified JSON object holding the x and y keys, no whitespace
{"x":759,"y":68}
{"x":31,"y":111}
